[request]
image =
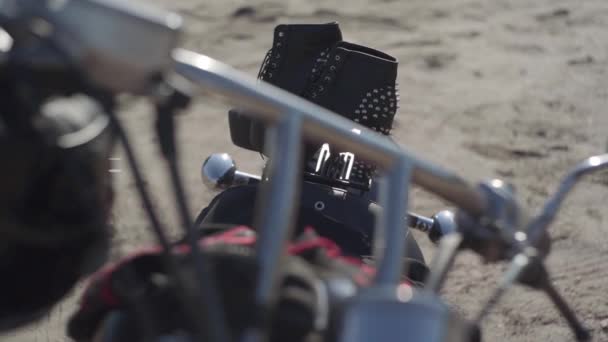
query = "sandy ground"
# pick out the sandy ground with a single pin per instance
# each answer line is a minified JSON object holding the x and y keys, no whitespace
{"x":514,"y":89}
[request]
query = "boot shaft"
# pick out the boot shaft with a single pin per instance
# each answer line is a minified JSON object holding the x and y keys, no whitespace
{"x":287,"y":65}
{"x":295,"y":49}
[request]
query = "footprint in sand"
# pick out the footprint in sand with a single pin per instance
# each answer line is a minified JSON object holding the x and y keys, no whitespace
{"x":438,"y":60}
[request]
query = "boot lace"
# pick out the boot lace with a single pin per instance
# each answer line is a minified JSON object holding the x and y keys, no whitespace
{"x":272,"y":59}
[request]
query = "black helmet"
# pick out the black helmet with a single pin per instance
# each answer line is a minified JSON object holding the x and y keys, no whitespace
{"x":55,"y":197}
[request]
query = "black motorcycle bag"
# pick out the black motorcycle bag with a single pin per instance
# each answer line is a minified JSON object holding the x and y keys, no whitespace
{"x":347,"y":222}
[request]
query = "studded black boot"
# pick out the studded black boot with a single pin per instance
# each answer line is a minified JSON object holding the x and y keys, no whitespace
{"x":295,"y":51}
{"x":358,"y":83}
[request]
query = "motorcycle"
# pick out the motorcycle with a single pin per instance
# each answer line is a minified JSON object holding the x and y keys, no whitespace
{"x":144,"y":60}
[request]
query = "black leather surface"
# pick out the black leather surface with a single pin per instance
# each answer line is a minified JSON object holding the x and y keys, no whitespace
{"x":345,"y":219}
